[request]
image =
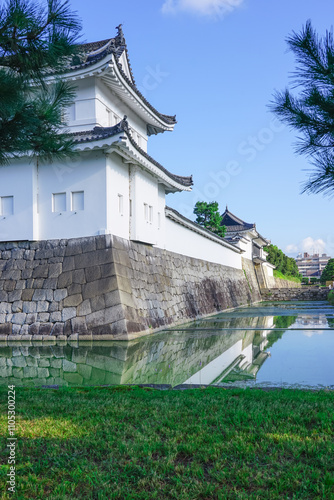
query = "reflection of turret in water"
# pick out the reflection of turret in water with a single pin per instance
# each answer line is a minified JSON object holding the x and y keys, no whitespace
{"x":197,"y":355}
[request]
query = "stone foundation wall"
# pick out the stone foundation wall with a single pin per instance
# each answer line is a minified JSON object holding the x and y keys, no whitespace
{"x":109,"y":288}
{"x":303,"y":293}
{"x":280,"y":283}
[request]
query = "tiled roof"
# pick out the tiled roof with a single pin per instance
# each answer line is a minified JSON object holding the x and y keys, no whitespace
{"x":233,"y":223}
{"x":96,"y":134}
{"x":200,"y":228}
{"x":99,"y":133}
{"x":90,"y":53}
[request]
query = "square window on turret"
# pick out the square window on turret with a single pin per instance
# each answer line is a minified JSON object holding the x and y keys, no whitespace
{"x":77,"y":201}
{"x":120,"y":204}
{"x":58,"y":202}
{"x":6,"y":205}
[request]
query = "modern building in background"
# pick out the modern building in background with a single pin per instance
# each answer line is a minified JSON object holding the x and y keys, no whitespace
{"x":312,"y":265}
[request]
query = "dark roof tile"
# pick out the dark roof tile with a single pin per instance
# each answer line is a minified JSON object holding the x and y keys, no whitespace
{"x":99,"y":133}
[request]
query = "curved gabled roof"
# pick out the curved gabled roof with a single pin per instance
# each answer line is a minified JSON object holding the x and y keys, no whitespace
{"x":99,"y":133}
{"x":93,"y":52}
{"x":233,"y":223}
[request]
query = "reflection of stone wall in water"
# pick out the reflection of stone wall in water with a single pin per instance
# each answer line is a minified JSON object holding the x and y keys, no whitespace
{"x":108,"y":286}
{"x":163,"y":358}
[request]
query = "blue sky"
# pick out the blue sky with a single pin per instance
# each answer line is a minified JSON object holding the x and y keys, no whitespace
{"x":215,"y":64}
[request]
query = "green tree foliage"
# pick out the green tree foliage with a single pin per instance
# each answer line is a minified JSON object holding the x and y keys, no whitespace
{"x":311,"y":114}
{"x":286,"y":265}
{"x":328,"y":272}
{"x":208,"y":216}
{"x":34,"y":41}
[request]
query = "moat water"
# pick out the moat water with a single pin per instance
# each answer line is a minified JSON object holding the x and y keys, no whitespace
{"x":282,"y":344}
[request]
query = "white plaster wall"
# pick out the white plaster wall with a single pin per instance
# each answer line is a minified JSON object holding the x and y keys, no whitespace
{"x":161,"y":219}
{"x":117,"y":185}
{"x":181,"y":240}
{"x":144,"y":190}
{"x":86,"y":174}
{"x":82,"y":114}
{"x":96,"y":105}
{"x":105,"y":99}
{"x":247,"y":247}
{"x":18,"y":180}
{"x":269,"y":269}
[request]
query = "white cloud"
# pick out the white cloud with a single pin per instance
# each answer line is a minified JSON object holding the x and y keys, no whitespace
{"x":309,"y":245}
{"x":201,"y":7}
{"x":291,"y":248}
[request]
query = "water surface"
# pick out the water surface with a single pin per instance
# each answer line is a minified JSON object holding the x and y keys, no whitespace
{"x":270,"y":344}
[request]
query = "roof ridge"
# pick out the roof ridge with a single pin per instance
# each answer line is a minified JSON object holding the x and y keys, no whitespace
{"x":234,"y":217}
{"x":94,"y":52}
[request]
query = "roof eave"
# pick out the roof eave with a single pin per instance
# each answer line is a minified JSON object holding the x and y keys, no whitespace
{"x":120,"y":144}
{"x":107,"y":68}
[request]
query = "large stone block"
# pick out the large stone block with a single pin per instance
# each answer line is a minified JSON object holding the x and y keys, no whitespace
{"x":73,"y":378}
{"x":55,"y":316}
{"x":58,"y":329}
{"x":95,"y":319}
{"x":73,"y":300}
{"x":34,"y":328}
{"x":42,"y":306}
{"x":78,"y":276}
{"x":93,"y":258}
{"x":9,"y":285}
{"x":74,"y":289}
{"x":41,"y":271}
{"x":19,"y":318}
{"x":68,"y":366}
{"x":19,"y":361}
{"x":74,"y":247}
{"x":99,"y":287}
{"x":65,"y":279}
{"x":68,"y":313}
{"x":60,"y":294}
{"x":17,"y":306}
{"x":27,"y":295}
{"x":43,"y":372}
{"x":85,"y":371}
{"x":50,"y":283}
{"x":31,"y":318}
{"x":97,"y":303}
{"x":79,"y":325}
{"x":44,"y":317}
{"x":54,"y":270}
{"x":88,"y":244}
{"x":84,"y":308}
{"x":68,"y":264}
{"x":93,"y":273}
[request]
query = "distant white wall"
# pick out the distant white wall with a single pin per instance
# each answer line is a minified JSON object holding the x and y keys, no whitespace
{"x":17,"y":182}
{"x":269,"y":270}
{"x":182,"y":240}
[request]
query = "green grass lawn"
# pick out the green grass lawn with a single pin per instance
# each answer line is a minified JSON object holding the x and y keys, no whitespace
{"x":136,"y":443}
